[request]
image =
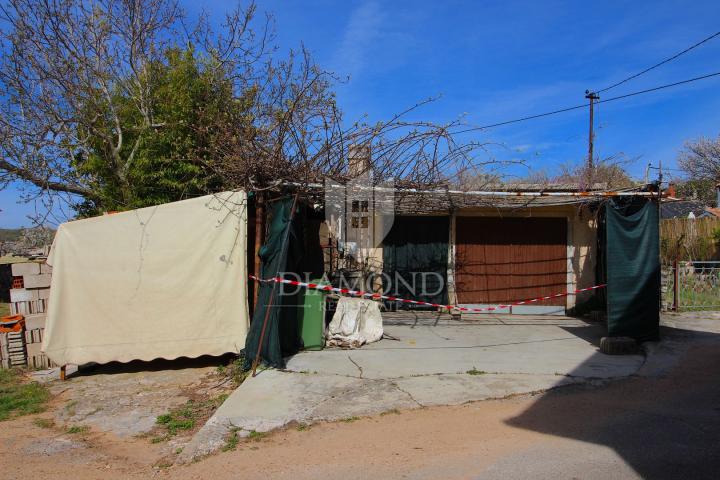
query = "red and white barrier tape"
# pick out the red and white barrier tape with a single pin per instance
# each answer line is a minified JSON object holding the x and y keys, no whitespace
{"x":377,"y":296}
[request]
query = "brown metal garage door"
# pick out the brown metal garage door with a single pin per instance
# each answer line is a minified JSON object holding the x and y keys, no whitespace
{"x":500,"y":260}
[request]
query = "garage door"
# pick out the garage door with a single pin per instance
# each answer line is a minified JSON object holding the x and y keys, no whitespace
{"x":501,"y":260}
{"x":415,"y":259}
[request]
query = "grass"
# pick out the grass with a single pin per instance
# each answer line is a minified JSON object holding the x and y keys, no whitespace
{"x":186,"y":417}
{"x":77,"y":429}
{"x":692,"y":300}
{"x":475,"y":371}
{"x":19,"y":397}
{"x":70,"y":407}
{"x":232,"y":441}
{"x":257,"y":436}
{"x":394,"y":411}
{"x":4,"y":309}
{"x":180,"y":419}
{"x":43,"y":423}
{"x":234,"y":371}
{"x":350,"y":419}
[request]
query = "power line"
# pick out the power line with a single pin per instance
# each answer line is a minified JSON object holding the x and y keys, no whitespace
{"x":577,"y":107}
{"x":661,"y":87}
{"x":660,"y":64}
{"x":666,"y":168}
{"x":531,"y":117}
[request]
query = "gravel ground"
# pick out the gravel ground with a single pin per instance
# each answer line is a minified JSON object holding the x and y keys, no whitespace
{"x":657,"y":426}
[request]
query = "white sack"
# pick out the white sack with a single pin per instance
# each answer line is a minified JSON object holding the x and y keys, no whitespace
{"x":158,"y":282}
{"x":355,"y":322}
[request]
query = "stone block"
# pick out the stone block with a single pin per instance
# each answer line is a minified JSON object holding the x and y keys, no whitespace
{"x":35,"y":321}
{"x":34,"y":349}
{"x":25,"y":268}
{"x":40,"y":361}
{"x":34,"y":336}
{"x":41,"y":280}
{"x":22,"y":295}
{"x":42,"y":293}
{"x":28,"y":308}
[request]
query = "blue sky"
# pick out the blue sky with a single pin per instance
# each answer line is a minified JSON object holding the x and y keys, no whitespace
{"x":495,"y":61}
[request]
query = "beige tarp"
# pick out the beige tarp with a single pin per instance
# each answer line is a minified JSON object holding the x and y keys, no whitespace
{"x":158,"y":282}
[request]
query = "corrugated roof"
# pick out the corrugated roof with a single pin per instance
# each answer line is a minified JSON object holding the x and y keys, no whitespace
{"x":445,"y":202}
{"x":541,"y":187}
{"x":499,"y":196}
{"x":683,"y":208}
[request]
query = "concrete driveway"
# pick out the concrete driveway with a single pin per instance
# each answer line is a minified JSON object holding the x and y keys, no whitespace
{"x":429,"y":359}
{"x":429,"y":344}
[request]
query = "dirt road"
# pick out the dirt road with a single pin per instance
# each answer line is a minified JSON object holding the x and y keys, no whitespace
{"x":634,"y":428}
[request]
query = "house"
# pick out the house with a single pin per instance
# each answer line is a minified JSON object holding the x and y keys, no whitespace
{"x":174,"y":280}
{"x":513,"y":245}
{"x":674,"y":207}
{"x":440,"y":249}
{"x":475,"y":249}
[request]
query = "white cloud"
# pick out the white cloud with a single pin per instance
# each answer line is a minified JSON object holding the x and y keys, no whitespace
{"x":364,"y":28}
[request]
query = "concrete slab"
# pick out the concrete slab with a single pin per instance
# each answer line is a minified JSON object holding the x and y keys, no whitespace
{"x":276,"y":398}
{"x":434,"y":361}
{"x":456,"y":348}
{"x":458,"y":389}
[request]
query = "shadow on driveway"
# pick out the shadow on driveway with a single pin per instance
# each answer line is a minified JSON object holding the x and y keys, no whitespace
{"x":665,"y":427}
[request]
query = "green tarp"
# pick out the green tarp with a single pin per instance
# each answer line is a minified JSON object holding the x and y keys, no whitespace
{"x":632,"y":268}
{"x":281,"y":254}
{"x":415,"y":258}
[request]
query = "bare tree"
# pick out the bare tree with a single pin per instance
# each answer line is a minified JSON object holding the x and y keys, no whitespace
{"x":63,"y":60}
{"x":77,"y":79}
{"x":609,"y":173}
{"x":700,"y":159}
{"x":36,"y":237}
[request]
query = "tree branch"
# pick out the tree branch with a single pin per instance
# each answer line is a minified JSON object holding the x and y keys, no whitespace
{"x":44,"y":183}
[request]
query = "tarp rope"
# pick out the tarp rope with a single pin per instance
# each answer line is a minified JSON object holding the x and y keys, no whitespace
{"x":377,"y":296}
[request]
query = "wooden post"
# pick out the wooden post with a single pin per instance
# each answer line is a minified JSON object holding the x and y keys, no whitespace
{"x":270,"y":302}
{"x":592,"y":97}
{"x":62,"y":373}
{"x":676,"y":286}
{"x":259,"y":239}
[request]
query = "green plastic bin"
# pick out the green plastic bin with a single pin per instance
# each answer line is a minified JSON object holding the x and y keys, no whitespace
{"x":312,"y":318}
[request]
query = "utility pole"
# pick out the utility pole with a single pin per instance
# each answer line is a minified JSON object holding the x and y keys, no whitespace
{"x":591,"y":96}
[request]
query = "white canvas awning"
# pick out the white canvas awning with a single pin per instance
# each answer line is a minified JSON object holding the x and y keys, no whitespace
{"x":159,"y":282}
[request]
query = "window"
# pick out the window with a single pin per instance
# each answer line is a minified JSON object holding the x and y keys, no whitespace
{"x":359,"y":206}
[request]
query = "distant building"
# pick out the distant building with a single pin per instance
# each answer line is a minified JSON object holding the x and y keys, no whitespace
{"x":686,"y":209}
{"x":673,"y":207}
